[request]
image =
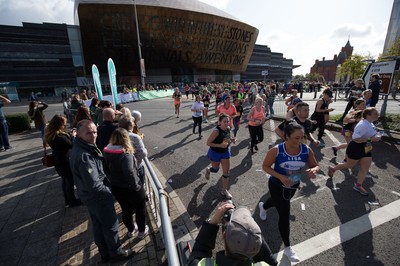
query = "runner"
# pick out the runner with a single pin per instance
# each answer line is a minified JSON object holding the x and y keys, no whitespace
{"x":177,"y":100}
{"x":220,"y":152}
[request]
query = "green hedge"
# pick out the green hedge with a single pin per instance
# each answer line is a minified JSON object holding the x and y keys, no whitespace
{"x":18,"y":122}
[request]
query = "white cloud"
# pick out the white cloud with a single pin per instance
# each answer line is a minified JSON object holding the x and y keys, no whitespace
{"x":37,"y":11}
{"x":352,"y":30}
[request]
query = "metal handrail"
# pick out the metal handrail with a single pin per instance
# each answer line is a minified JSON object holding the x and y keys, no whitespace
{"x":167,"y":232}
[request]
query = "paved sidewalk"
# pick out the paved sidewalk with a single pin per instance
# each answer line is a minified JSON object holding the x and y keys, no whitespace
{"x":36,"y":228}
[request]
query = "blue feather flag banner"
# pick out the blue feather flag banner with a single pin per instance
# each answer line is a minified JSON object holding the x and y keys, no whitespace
{"x":112,"y":74}
{"x":96,"y":81}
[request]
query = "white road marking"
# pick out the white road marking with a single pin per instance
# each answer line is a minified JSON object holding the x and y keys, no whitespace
{"x":332,"y":137}
{"x":340,"y":234}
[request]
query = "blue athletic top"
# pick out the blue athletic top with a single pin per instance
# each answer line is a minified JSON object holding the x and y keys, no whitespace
{"x":290,"y":165}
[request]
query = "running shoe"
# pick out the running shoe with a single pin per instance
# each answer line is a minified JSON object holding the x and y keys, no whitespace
{"x":331,"y":171}
{"x":135,"y":228}
{"x":263,"y":212}
{"x":289,"y":252}
{"x":207,"y":175}
{"x":321,"y":143}
{"x":226,"y":194}
{"x":143,"y":234}
{"x":360,"y":190}
{"x":334,"y":150}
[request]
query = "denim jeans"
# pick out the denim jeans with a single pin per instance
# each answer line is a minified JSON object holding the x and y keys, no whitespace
{"x":271,"y":105}
{"x":4,"y":134}
{"x":105,"y":226}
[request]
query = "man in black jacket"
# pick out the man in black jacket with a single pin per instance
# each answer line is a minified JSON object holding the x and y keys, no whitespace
{"x":375,"y":86}
{"x":244,"y":243}
{"x":106,"y":129}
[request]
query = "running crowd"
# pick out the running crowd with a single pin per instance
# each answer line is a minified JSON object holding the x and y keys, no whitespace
{"x":284,"y":162}
{"x":102,"y":155}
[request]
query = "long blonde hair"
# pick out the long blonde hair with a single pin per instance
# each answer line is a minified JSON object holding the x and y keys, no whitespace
{"x":55,"y":128}
{"x":120,"y":136}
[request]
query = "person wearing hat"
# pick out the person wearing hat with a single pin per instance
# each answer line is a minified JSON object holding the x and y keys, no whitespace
{"x":375,"y":86}
{"x":321,"y":108}
{"x":244,"y":244}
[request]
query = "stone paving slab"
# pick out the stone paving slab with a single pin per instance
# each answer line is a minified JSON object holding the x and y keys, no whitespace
{"x":36,"y":228}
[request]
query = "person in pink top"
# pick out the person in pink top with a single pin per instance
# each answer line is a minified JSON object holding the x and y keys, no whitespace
{"x":229,"y":109}
{"x":256,"y":118}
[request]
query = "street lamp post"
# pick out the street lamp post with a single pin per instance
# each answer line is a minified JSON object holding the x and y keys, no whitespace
{"x":141,"y":61}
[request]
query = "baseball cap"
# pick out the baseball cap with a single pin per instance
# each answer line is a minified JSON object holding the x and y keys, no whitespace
{"x":243,"y":235}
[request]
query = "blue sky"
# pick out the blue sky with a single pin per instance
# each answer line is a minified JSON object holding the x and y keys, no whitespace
{"x":302,"y":30}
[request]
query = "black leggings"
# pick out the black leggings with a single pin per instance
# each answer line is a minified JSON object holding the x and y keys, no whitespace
{"x":349,"y":106}
{"x":320,"y":118}
{"x":280,"y":198}
{"x":256,"y":135}
{"x":131,"y":200}
{"x":197,"y":121}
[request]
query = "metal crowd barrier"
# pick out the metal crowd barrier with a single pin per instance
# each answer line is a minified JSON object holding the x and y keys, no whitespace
{"x":161,"y":212}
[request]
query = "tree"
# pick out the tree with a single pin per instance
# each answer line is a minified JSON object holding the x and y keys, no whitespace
{"x":353,"y":67}
{"x":314,"y":77}
{"x":393,"y":50}
{"x":298,"y":77}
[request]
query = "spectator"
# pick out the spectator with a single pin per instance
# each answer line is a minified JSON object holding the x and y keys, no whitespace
{"x":128,"y":123}
{"x":73,"y":107}
{"x":126,"y":185}
{"x":83,"y":95}
{"x":138,"y":117}
{"x":35,"y":112}
{"x":99,"y":112}
{"x":271,"y":94}
{"x":61,"y":144}
{"x":83,"y":113}
{"x":33,"y":97}
{"x":4,"y":143}
{"x":93,"y":108}
{"x":91,"y":182}
{"x":106,"y":129}
{"x":242,"y":237}
{"x":375,"y":86}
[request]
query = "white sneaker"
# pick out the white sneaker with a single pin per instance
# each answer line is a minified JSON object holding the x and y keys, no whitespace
{"x":288,"y":251}
{"x":263,"y":212}
{"x":135,"y":228}
{"x":143,"y":234}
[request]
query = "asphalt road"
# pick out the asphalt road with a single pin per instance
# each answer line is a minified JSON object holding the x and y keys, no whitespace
{"x":330,"y":223}
{"x":328,"y":204}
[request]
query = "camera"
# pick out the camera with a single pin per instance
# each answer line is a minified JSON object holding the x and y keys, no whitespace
{"x":227,"y":216}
